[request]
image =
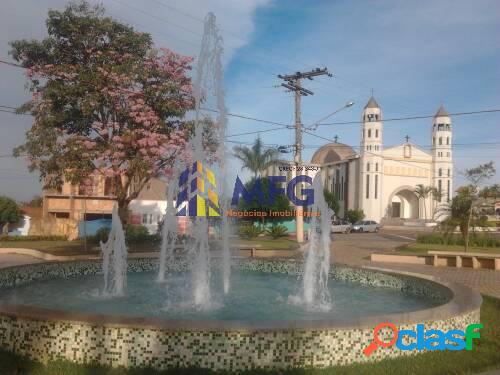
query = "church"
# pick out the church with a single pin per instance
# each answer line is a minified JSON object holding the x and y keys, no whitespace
{"x":382,"y":181}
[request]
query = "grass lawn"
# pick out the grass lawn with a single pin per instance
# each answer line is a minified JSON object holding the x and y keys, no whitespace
{"x":423,"y":248}
{"x":268,"y":243}
{"x":484,"y":356}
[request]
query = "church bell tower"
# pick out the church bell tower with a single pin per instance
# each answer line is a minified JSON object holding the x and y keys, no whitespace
{"x":371,"y":161}
{"x":442,"y":162}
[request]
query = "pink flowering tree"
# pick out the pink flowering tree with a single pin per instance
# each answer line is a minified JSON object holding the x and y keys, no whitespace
{"x":104,"y":102}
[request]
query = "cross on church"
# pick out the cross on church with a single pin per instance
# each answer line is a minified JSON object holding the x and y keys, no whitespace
{"x":336,"y":138}
{"x":407,"y":138}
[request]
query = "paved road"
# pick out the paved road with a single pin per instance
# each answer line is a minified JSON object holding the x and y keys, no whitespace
{"x":355,"y":249}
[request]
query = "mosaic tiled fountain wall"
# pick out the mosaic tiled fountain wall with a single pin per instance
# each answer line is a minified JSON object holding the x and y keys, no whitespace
{"x":48,"y":335}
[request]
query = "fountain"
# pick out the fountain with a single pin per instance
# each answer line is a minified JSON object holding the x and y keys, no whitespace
{"x":314,"y":292}
{"x":168,"y":235}
{"x":207,"y":84}
{"x":114,"y":258}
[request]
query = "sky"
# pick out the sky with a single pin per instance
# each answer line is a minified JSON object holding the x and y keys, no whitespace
{"x":415,"y":56}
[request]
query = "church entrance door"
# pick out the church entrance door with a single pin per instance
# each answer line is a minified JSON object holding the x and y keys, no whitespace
{"x":396,"y":209}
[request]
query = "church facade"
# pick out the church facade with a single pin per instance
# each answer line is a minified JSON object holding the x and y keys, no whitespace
{"x":382,"y":181}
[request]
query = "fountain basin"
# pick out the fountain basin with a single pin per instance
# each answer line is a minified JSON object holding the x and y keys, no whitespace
{"x":122,"y":338}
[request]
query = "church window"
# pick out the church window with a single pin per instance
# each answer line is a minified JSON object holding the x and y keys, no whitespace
{"x":367,"y":186}
{"x":342,"y":189}
{"x":448,"y":192}
{"x":440,"y":188}
{"x":449,"y":172}
{"x":376,"y":117}
{"x":440,"y":172}
{"x":363,"y":133}
{"x":337,"y":180}
{"x":376,"y":185}
{"x":433,"y":140}
{"x":376,"y":167}
{"x":440,"y":140}
{"x":376,"y":133}
{"x":368,"y":167}
{"x":447,"y":140}
{"x":370,"y":117}
{"x":369,"y":133}
{"x":447,"y":126}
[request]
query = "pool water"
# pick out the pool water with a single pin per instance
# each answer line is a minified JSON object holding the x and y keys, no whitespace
{"x":254,"y":296}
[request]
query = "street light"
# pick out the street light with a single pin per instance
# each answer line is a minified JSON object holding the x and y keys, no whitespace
{"x":315,"y":125}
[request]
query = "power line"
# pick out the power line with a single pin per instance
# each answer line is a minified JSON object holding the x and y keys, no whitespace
{"x":412,"y":117}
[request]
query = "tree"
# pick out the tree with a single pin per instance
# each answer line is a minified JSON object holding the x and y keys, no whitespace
{"x":280,"y":203}
{"x":255,"y":158}
{"x":353,"y":216}
{"x":422,"y":192}
{"x":104,"y":102}
{"x":331,"y":200}
{"x":476,"y":177}
{"x":9,"y":213}
{"x":36,"y":201}
{"x":463,"y":210}
{"x":490,"y":192}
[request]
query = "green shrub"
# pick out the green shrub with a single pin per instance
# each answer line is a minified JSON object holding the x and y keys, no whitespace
{"x":133,"y":234}
{"x":250,"y":231}
{"x":137,"y":233}
{"x":33,"y":238}
{"x":353,"y":216}
{"x":277,"y":231}
{"x":101,"y":235}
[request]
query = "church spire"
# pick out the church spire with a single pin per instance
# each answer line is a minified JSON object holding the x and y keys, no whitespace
{"x":372,"y":103}
{"x":441,"y":112}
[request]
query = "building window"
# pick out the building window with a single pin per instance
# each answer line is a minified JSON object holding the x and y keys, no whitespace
{"x":144,"y":218}
{"x":449,"y":172}
{"x":363,"y":133}
{"x":433,"y":140}
{"x":376,"y":185}
{"x":376,"y":117}
{"x":447,"y":140}
{"x":376,"y":167}
{"x":440,"y":188}
{"x":440,"y":140}
{"x":376,"y":133}
{"x":369,"y":133}
{"x":440,"y":172}
{"x":367,"y":186}
{"x":448,"y":191}
{"x":368,"y":167}
{"x":110,"y":186}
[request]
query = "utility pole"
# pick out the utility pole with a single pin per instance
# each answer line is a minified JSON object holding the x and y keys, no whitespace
{"x":293,"y":83}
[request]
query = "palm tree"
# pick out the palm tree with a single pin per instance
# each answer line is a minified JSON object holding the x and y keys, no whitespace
{"x":256,"y":159}
{"x":437,"y":195}
{"x":423,"y":192}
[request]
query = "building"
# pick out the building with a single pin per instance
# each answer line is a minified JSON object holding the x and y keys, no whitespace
{"x":74,"y":209}
{"x":381,"y":181}
{"x":150,"y":205}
